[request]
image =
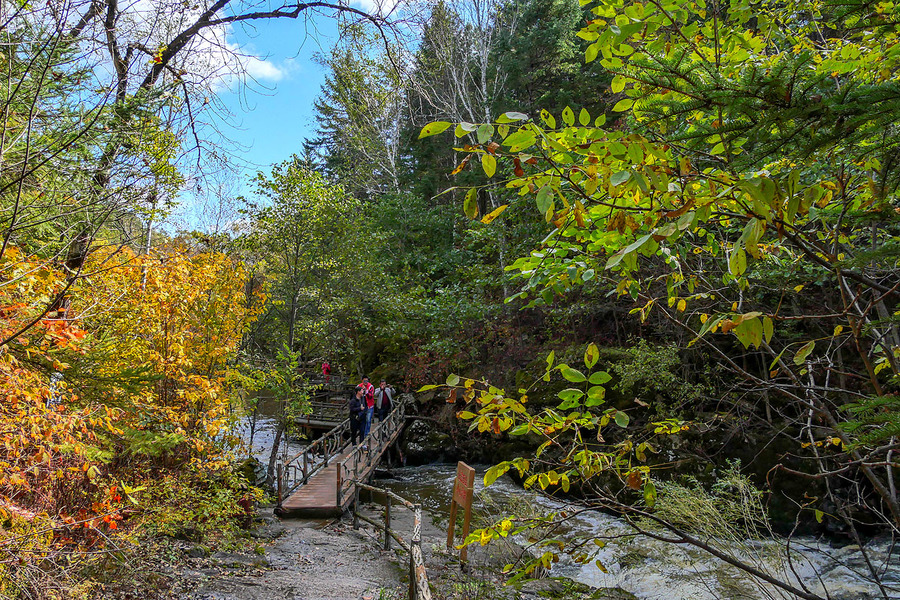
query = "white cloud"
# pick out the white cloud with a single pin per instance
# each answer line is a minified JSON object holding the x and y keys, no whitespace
{"x":263,"y":70}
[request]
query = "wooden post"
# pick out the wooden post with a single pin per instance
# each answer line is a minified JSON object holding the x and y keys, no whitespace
{"x":305,"y":465}
{"x":452,"y":526}
{"x":355,"y":495}
{"x":467,"y":519}
{"x":418,"y":579}
{"x":463,"y":488}
{"x":387,"y":522}
{"x":340,"y":467}
{"x":280,"y":483}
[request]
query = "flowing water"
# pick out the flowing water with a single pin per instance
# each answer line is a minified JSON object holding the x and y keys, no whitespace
{"x":649,"y":569}
{"x":654,"y":570}
{"x":264,"y":431}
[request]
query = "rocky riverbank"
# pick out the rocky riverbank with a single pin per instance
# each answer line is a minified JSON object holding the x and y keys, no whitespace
{"x":330,"y":560}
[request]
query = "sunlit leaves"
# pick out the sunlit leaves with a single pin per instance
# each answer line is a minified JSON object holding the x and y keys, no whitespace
{"x":489,"y":164}
{"x":434,"y":129}
{"x":470,"y":205}
{"x":804,"y":352}
{"x":489,"y":218}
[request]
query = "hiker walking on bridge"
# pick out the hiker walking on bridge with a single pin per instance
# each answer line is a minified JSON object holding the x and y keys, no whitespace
{"x":357,"y":416}
{"x":369,"y":395}
{"x":384,"y":398}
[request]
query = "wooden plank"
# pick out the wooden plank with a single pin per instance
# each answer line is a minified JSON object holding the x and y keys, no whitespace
{"x":318,"y":497}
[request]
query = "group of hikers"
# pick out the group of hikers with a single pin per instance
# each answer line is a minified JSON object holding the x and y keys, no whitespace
{"x":367,"y":403}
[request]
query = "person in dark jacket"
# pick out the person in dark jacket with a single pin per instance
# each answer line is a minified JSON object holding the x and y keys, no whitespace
{"x":357,"y":415}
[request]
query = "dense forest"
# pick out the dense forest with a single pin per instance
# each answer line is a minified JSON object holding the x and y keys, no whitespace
{"x":644,"y":252}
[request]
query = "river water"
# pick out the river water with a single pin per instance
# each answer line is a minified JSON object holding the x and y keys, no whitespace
{"x":654,"y":570}
{"x":649,"y":569}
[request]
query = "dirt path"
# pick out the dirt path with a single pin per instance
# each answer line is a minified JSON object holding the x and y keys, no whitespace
{"x":297,"y":560}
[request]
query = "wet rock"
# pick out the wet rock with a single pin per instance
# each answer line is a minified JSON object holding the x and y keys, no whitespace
{"x":197,"y":552}
{"x":427,"y":443}
{"x":559,"y":588}
{"x":235,"y":560}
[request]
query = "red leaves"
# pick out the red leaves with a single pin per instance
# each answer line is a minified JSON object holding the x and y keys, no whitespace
{"x":517,"y":167}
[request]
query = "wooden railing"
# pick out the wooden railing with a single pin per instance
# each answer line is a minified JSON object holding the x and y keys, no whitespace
{"x":361,"y":458}
{"x":418,"y":578}
{"x":296,"y":470}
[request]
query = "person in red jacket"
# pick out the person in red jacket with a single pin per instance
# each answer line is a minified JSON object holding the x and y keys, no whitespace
{"x":369,"y":395}
{"x":326,"y":371}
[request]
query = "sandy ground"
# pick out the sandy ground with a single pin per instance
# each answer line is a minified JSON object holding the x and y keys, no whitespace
{"x":302,"y":560}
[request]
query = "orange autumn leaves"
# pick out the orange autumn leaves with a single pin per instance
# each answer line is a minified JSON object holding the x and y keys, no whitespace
{"x":182,"y":316}
{"x":174,"y":316}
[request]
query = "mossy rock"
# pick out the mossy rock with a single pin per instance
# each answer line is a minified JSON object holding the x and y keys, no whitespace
{"x":560,"y":588}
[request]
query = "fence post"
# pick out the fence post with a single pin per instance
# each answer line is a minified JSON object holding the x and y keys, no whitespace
{"x":355,"y":495}
{"x":340,"y":467}
{"x":280,"y":483}
{"x":387,"y":522}
{"x":418,"y":579}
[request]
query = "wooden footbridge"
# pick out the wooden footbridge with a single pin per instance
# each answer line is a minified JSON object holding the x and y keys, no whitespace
{"x":324,"y":480}
{"x":320,"y":480}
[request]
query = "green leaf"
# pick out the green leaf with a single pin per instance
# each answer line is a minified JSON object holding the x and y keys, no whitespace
{"x":803,"y":352}
{"x":618,"y":84}
{"x":568,"y":116}
{"x":489,"y":164}
{"x":819,"y":516}
{"x":519,"y":429}
{"x":649,"y":494}
{"x":599,"y":377}
{"x":434,"y":129}
{"x":512,"y":117}
{"x":425,"y":388}
{"x":570,"y":394}
{"x":590,"y":54}
{"x":494,"y":472}
{"x":587,"y":275}
{"x":550,"y":358}
{"x":737,"y":262}
{"x":452,"y":379}
{"x":596,"y":396}
{"x":544,"y":199}
{"x":768,"y":329}
{"x":616,"y":258}
{"x":584,"y":117}
{"x":619,"y":178}
{"x":571,"y":374}
{"x":470,"y":205}
{"x":591,"y":355}
{"x":484,"y":133}
{"x":623,"y":105}
{"x":549,"y":119}
{"x":622,"y":419}
{"x":520,"y":140}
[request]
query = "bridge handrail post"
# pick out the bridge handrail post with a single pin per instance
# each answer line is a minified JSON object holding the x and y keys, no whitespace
{"x":355,"y":495}
{"x":340,"y":469}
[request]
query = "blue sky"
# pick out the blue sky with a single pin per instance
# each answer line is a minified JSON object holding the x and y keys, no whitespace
{"x":275,"y":114}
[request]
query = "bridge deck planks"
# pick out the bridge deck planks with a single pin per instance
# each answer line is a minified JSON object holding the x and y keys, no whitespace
{"x":317,"y":498}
